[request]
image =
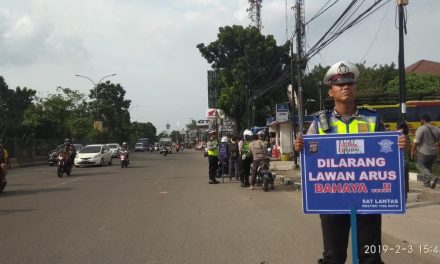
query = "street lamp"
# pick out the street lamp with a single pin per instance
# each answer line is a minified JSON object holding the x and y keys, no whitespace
{"x":96,"y":89}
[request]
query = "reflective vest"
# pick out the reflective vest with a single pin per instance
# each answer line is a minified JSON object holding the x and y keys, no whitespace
{"x":245,"y":149}
{"x":363,"y":121}
{"x":214,"y":151}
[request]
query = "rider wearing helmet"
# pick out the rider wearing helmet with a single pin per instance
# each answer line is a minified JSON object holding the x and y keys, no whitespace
{"x":124,"y":149}
{"x":3,"y":158}
{"x":258,"y":150}
{"x":245,"y":158}
{"x":70,"y":150}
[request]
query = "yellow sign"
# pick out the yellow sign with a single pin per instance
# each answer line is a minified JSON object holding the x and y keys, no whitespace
{"x":97,"y":125}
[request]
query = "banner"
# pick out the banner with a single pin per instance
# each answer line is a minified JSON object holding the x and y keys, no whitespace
{"x":344,"y":171}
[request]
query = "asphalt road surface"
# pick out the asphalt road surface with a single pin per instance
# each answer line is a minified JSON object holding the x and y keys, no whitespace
{"x":159,"y":210}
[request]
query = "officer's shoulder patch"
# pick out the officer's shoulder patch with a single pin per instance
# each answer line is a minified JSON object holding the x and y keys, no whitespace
{"x":367,"y":109}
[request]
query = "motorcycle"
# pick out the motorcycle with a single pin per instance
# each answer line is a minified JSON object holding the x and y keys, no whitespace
{"x":164,"y":150}
{"x":3,"y":180}
{"x":264,"y":176}
{"x":124,"y":159}
{"x":64,"y":165}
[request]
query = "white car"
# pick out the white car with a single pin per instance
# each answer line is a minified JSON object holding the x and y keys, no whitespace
{"x":90,"y":155}
{"x":115,"y":148}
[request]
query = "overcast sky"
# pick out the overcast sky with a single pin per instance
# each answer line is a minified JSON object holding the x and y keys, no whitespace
{"x":151,"y":45}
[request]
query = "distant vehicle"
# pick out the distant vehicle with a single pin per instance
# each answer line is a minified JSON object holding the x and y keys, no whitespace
{"x":98,"y":154}
{"x":140,"y":147}
{"x":53,"y":154}
{"x":115,"y":148}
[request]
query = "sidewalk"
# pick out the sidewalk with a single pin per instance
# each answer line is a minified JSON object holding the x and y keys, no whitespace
{"x":418,"y":226}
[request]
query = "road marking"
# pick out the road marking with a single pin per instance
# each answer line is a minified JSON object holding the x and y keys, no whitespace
{"x":75,"y":180}
{"x":163,"y":192}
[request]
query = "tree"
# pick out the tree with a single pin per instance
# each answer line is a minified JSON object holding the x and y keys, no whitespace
{"x":142,"y":130}
{"x":59,"y":115}
{"x":13,"y":103}
{"x":253,"y":72}
{"x":113,"y":110}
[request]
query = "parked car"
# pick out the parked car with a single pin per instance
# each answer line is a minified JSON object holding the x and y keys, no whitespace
{"x":98,"y":154}
{"x":53,"y":154}
{"x":115,"y":148}
{"x":140,"y":147}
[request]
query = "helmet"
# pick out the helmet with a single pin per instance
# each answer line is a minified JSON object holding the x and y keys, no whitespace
{"x":124,"y":144}
{"x":247,"y":133}
{"x":341,"y":72}
{"x":260,"y":133}
{"x":224,"y":139}
{"x":67,"y":141}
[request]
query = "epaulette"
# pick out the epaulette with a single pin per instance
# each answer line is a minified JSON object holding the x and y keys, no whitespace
{"x":327,"y":112}
{"x":367,"y":109}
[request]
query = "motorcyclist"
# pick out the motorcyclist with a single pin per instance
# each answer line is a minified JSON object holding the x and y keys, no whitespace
{"x":70,"y":151}
{"x":258,"y":151}
{"x":4,"y":157}
{"x":124,"y":150}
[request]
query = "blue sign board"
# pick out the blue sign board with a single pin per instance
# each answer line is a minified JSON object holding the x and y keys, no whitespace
{"x":341,"y":172}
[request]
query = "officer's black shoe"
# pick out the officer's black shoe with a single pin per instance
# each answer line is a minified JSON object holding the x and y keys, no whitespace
{"x":215,"y":181}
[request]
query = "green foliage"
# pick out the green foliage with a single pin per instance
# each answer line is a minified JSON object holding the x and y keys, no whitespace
{"x":142,"y":130}
{"x":59,"y":115}
{"x":416,"y":84}
{"x":253,"y":72}
{"x":112,"y":109}
{"x":12,"y":105}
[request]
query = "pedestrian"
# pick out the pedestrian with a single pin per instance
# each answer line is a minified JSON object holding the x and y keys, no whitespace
{"x":406,"y":156}
{"x":212,"y":147}
{"x":224,"y":155}
{"x":245,"y":158}
{"x":258,"y":151}
{"x":347,"y":118}
{"x":233,"y":158}
{"x":425,"y":144}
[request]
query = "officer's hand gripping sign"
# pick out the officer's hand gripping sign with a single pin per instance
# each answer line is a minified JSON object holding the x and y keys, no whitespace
{"x":341,"y":172}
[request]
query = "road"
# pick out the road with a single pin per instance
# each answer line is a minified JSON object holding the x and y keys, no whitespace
{"x":159,"y":210}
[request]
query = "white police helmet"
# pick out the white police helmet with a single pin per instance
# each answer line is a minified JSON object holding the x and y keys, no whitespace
{"x":248,"y":133}
{"x":341,"y":72}
{"x":260,"y":133}
{"x":224,"y":139}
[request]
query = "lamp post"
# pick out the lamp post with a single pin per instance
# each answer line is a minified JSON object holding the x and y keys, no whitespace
{"x":96,"y":89}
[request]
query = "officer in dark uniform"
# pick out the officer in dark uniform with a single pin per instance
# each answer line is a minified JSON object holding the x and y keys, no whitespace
{"x":343,"y":119}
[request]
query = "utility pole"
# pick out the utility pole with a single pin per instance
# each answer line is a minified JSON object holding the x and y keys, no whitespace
{"x":402,"y":29}
{"x":299,"y":29}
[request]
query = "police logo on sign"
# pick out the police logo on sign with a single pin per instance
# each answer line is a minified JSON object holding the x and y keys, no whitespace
{"x":313,"y":147}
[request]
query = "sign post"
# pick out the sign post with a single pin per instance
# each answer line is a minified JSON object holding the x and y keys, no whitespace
{"x":353,"y":174}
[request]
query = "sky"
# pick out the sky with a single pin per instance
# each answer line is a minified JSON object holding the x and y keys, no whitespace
{"x":151,"y":45}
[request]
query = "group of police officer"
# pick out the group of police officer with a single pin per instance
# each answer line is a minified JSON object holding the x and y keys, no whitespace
{"x":240,"y":158}
{"x":343,"y":119}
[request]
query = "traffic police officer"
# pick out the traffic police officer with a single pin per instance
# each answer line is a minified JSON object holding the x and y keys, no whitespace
{"x":347,"y":118}
{"x":212,"y":146}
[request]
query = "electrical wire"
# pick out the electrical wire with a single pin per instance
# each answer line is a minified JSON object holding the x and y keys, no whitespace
{"x":323,"y":42}
{"x":377,"y":34}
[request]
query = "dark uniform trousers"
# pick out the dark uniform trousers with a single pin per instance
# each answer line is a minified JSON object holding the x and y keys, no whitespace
{"x":245,"y":169}
{"x":335,"y":232}
{"x":213,"y":165}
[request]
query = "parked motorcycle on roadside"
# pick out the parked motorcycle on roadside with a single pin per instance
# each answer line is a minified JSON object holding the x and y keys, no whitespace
{"x":264,"y":176}
{"x":123,"y":156}
{"x":64,"y":165}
